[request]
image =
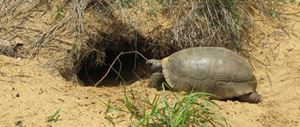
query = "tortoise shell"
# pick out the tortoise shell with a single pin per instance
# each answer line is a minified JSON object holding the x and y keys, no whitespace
{"x":214,"y":70}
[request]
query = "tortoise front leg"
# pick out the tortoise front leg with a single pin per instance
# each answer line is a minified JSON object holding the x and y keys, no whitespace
{"x":156,"y":80}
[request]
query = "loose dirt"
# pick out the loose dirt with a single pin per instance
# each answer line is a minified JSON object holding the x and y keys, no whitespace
{"x":30,"y":91}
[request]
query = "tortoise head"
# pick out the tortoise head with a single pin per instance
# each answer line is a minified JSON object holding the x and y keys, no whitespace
{"x":155,"y":64}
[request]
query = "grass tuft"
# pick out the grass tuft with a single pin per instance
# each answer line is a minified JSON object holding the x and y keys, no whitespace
{"x":172,"y":110}
{"x":54,"y":117}
{"x":59,"y":12}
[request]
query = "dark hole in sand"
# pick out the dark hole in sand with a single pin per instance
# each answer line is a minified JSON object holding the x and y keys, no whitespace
{"x":126,"y":70}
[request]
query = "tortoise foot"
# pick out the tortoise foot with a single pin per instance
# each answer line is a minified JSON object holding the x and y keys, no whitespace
{"x":156,"y":80}
{"x":251,"y":98}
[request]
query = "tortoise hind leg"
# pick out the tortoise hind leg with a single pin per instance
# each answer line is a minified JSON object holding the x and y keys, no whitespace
{"x":156,"y":80}
{"x":251,"y":98}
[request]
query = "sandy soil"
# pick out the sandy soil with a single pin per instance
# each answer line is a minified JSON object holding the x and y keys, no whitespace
{"x":30,"y":91}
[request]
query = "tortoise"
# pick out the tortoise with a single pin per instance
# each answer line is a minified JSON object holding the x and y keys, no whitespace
{"x":215,"y":70}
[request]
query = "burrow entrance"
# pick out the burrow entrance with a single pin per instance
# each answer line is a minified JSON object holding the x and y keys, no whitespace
{"x":127,"y":68}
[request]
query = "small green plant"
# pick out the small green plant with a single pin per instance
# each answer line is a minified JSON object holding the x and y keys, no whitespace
{"x":59,"y":12}
{"x":110,"y":108}
{"x":273,"y":13}
{"x":170,"y":110}
{"x":54,"y":117}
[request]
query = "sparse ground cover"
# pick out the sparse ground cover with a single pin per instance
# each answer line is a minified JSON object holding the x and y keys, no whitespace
{"x":33,"y":92}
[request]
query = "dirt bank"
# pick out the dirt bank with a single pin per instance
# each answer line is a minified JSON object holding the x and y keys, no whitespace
{"x":30,"y":91}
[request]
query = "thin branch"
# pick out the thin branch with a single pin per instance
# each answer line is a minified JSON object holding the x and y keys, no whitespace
{"x":110,"y":67}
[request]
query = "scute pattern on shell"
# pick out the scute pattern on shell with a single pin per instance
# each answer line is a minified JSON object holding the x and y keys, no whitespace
{"x":209,"y":69}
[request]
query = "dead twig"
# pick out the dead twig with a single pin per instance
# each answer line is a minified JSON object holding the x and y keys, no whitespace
{"x":111,"y":66}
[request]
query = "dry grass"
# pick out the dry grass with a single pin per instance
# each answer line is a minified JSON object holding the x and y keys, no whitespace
{"x":67,"y":32}
{"x":193,"y":23}
{"x":211,"y":23}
